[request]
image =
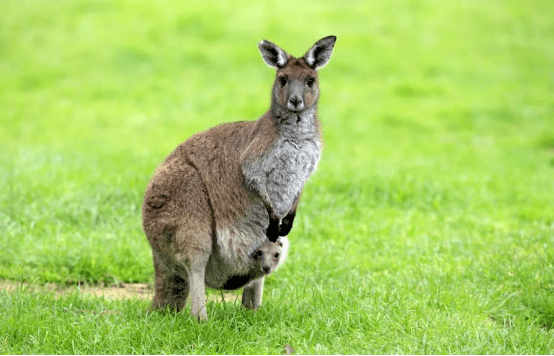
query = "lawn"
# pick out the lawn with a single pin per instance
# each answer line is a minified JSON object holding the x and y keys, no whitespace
{"x":427,"y":228}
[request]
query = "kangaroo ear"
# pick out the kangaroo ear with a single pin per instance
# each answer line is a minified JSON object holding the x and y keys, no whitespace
{"x":273,"y":55}
{"x":320,"y":53}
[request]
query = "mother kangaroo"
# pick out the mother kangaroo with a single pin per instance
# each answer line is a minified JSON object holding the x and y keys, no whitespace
{"x":220,"y":194}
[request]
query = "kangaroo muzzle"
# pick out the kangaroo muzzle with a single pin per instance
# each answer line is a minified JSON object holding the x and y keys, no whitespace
{"x":296,"y":94}
{"x":295,"y":103}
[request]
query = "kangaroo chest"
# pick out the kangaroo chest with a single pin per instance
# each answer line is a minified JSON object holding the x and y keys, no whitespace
{"x":288,"y":165}
{"x":283,"y":169}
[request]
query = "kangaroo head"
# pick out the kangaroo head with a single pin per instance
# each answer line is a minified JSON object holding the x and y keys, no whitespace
{"x":296,"y":88}
{"x":268,"y":256}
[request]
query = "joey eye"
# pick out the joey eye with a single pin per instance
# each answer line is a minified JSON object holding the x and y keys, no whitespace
{"x":259,"y":253}
{"x":282,"y":81}
{"x":310,"y":82}
{"x":276,"y":255}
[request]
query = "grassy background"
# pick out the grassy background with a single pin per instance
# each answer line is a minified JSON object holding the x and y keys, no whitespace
{"x":428,"y":227}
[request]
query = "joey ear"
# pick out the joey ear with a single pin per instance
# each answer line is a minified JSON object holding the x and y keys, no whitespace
{"x":273,"y":55}
{"x":320,"y":53}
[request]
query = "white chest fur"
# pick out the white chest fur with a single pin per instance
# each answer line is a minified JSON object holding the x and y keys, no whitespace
{"x":288,"y":166}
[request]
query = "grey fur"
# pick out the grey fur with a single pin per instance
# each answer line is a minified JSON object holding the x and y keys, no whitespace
{"x":225,"y":191}
{"x":290,"y":162}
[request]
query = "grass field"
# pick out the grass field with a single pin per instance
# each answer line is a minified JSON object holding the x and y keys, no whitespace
{"x":428,"y":227}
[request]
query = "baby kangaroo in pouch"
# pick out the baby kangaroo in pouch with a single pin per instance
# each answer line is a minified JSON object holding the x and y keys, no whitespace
{"x":225,"y":191}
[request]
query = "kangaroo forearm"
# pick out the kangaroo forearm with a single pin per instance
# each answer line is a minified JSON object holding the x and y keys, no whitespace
{"x":256,"y":185}
{"x":272,"y":231}
{"x":286,"y":223}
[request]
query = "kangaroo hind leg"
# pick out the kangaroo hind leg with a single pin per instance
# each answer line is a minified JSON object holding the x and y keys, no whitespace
{"x":193,"y":241}
{"x":194,"y":256}
{"x":170,"y":290}
{"x":252,"y":294}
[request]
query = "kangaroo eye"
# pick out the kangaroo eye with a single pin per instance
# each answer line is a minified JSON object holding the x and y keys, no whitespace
{"x":276,"y":255}
{"x":282,"y":81}
{"x":310,"y":82}
{"x":260,"y":253}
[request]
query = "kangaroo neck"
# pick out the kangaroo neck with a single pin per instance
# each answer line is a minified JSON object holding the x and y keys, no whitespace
{"x":295,"y":124}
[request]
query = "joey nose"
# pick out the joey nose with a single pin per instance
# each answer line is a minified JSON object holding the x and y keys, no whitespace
{"x":266,"y":269}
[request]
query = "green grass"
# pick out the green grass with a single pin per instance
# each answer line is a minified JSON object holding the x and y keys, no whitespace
{"x":428,"y":227}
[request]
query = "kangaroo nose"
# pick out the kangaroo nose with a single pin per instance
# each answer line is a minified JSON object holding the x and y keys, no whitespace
{"x":295,"y":101}
{"x":266,"y":269}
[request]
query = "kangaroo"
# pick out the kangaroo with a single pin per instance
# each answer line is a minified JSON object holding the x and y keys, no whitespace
{"x":220,"y":194}
{"x":269,"y":256}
